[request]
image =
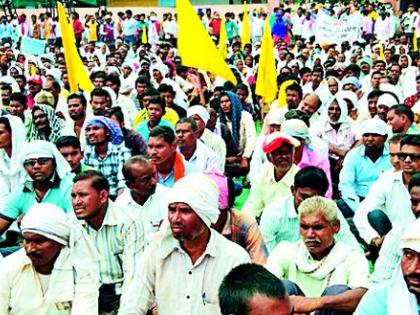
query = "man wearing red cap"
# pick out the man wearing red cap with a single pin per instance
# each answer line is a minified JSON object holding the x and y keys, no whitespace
{"x":34,"y":86}
{"x":276,"y":176}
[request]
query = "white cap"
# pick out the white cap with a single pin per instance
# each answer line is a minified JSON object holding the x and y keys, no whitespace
{"x":376,"y":126}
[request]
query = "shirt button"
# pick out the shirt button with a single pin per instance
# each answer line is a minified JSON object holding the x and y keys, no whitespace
{"x":189,"y":272}
{"x":188,"y":296}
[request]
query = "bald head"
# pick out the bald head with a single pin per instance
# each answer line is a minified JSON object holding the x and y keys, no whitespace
{"x":310,"y":103}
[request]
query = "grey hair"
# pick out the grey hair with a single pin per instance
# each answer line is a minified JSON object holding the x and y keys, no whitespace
{"x":318,"y":204}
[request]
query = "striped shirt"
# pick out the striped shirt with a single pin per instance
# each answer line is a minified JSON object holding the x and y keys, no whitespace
{"x":110,"y":166}
{"x":119,"y":241}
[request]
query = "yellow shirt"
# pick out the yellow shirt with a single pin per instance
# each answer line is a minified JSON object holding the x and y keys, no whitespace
{"x":93,"y":27}
{"x":170,"y":116}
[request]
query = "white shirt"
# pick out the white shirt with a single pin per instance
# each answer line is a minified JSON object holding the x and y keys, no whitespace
{"x":168,"y":278}
{"x":217,"y":144}
{"x":152,"y":215}
{"x":128,"y":108}
{"x":204,"y":159}
{"x":21,"y":290}
{"x":388,"y":194}
{"x":129,"y":26}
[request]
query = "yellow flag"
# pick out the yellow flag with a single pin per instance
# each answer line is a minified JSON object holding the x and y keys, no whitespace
{"x":281,"y":101}
{"x":143,"y":35}
{"x":415,"y":44}
{"x":195,"y":46}
{"x":223,"y":40}
{"x":32,"y":70}
{"x":78,"y":76}
{"x":266,"y":86}
{"x":381,"y":51}
{"x":246,"y":29}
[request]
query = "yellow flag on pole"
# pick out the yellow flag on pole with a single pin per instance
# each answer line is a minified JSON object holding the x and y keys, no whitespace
{"x":281,"y":100}
{"x":246,"y":28}
{"x":223,"y":40}
{"x":415,"y":41}
{"x":195,"y":46}
{"x":143,"y":35}
{"x":381,"y":51}
{"x":266,"y":85}
{"x":78,"y":76}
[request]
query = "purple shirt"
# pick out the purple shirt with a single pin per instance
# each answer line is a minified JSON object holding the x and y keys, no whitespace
{"x":311,"y":157}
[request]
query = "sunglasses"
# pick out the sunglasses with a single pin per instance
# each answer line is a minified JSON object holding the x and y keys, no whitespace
{"x":414,"y":157}
{"x":40,"y":161}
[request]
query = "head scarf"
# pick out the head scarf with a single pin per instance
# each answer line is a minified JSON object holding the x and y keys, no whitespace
{"x":44,"y":149}
{"x":200,"y":192}
{"x":222,"y":185}
{"x":344,"y":118}
{"x":236,"y":111}
{"x":18,"y":143}
{"x":115,"y":133}
{"x":56,"y":124}
{"x":296,"y":128}
{"x":199,"y":110}
{"x":78,"y":257}
{"x":400,"y":300}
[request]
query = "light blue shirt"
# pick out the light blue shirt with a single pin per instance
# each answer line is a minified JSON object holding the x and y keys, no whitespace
{"x":6,"y":31}
{"x":169,"y":181}
{"x":22,"y":199}
{"x":375,"y":301}
{"x":144,"y":131}
{"x":359,"y":173}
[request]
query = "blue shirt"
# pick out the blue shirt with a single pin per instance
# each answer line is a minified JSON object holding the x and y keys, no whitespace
{"x":144,"y":131}
{"x":375,"y":301}
{"x":359,"y":173}
{"x":169,"y":181}
{"x":23,"y":198}
{"x":6,"y":31}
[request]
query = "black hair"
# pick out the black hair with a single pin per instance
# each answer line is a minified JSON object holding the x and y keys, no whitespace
{"x":99,"y":92}
{"x":78,"y":96}
{"x":115,"y":111}
{"x":6,"y":87}
{"x":188,"y":120}
{"x":19,"y":97}
{"x":164,"y":132}
{"x":243,"y":87}
{"x":67,"y":141}
{"x":298,"y":114}
{"x":295,"y":87}
{"x":114,"y":78}
{"x":143,"y":80}
{"x":312,"y":177}
{"x":410,"y":139}
{"x":244,"y":282}
{"x":164,"y":88}
{"x":5,"y":121}
{"x":401,"y":109}
{"x":414,"y":181}
{"x":98,"y":181}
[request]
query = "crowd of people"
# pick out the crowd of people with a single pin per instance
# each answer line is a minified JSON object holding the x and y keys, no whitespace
{"x":169,"y":190}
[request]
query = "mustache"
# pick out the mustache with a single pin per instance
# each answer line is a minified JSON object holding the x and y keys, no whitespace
{"x":312,"y":240}
{"x":33,"y":255}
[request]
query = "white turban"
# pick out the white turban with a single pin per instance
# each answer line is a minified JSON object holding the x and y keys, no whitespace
{"x":43,"y":149}
{"x":387,"y":100}
{"x":78,"y":258}
{"x":201,"y":193}
{"x":200,"y":111}
{"x":375,"y":126}
{"x":295,"y":128}
{"x":411,"y":237}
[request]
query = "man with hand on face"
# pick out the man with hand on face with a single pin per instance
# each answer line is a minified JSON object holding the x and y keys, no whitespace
{"x":56,"y":271}
{"x":48,"y":179}
{"x":276,"y":176}
{"x":320,"y":272}
{"x":181,"y":273}
{"x":117,"y":237}
{"x":145,"y":199}
{"x":192,"y":149}
{"x":401,"y":295}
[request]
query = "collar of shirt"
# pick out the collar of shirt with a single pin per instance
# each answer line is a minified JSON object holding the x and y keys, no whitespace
{"x":329,"y":128}
{"x":90,"y":149}
{"x":170,"y":244}
{"x":361,"y":150}
{"x":288,"y":178}
{"x":29,"y":184}
{"x":111,"y":217}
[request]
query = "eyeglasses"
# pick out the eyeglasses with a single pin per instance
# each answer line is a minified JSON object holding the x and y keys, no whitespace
{"x":40,"y":161}
{"x":414,"y":157}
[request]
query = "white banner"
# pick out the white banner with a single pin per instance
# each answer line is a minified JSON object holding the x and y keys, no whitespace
{"x":333,"y":31}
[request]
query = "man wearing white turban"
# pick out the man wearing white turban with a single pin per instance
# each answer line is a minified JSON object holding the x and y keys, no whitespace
{"x":201,"y":116}
{"x":47,"y":178}
{"x":56,"y":271}
{"x":181,"y":272}
{"x":402,"y":294}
